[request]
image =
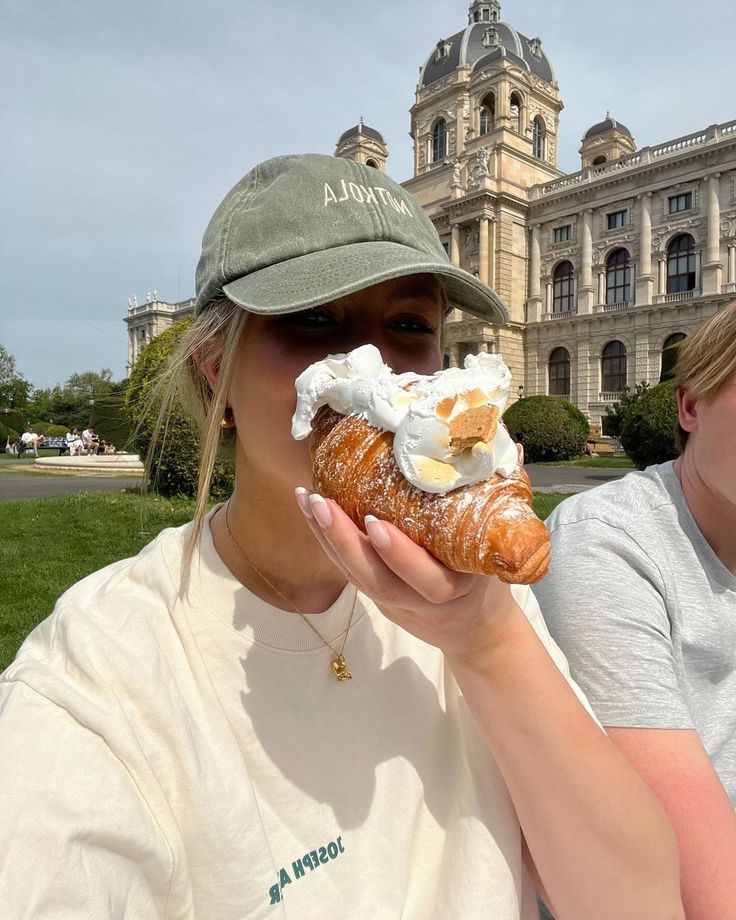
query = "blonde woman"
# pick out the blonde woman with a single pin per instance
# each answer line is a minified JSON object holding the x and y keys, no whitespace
{"x":641,"y":596}
{"x":180,"y":737}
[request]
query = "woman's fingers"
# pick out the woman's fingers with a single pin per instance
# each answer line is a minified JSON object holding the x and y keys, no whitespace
{"x":390,"y":567}
{"x":302,"y":497}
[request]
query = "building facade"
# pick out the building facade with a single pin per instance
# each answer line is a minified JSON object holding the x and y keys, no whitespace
{"x":601,"y":269}
{"x":147,"y":320}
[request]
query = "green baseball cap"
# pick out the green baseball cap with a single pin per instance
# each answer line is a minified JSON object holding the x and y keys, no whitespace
{"x":299,"y":231}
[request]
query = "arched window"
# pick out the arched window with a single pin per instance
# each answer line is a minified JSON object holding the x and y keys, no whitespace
{"x":681,"y":264}
{"x":372,"y":164}
{"x":618,"y":277}
{"x":515,"y":105}
{"x":487,"y":114}
{"x":563,"y":288}
{"x":439,"y":140}
{"x":669,"y":355}
{"x":559,"y":372}
{"x":599,"y":161}
{"x":673,"y":339}
{"x":539,"y":136}
{"x":613,"y":367}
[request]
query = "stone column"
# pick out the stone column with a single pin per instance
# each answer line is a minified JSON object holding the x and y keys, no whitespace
{"x":644,"y":277}
{"x":483,"y":250}
{"x":454,"y":353}
{"x":662,"y":285}
{"x":455,"y":244}
{"x":601,"y":286}
{"x":492,"y":252}
{"x":534,"y":303}
{"x":548,"y":296}
{"x":586,"y":290}
{"x":713,"y":267}
{"x":732,"y":264}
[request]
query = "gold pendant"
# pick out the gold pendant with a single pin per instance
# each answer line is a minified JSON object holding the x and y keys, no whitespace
{"x":340,"y":669}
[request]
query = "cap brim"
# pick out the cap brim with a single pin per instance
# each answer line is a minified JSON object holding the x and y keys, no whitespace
{"x":319,"y":277}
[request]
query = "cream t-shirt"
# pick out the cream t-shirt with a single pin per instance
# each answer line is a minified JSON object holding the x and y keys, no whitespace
{"x":195,"y":759}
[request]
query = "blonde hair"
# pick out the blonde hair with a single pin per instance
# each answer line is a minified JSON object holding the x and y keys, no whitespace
{"x":707,"y":360}
{"x":211,"y":341}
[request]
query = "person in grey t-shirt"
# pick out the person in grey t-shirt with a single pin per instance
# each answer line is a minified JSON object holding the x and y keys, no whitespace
{"x":641,"y":597}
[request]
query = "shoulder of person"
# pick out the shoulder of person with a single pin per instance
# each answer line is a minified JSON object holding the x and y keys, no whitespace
{"x":621,"y":504}
{"x":106,"y":618}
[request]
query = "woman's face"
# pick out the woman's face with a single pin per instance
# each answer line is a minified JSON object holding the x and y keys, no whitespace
{"x":401,"y":317}
{"x":711,"y":445}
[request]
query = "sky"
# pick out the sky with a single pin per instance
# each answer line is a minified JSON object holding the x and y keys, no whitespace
{"x":125,"y":123}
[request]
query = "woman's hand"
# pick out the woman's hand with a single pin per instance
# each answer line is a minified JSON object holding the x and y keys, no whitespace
{"x":459,"y":613}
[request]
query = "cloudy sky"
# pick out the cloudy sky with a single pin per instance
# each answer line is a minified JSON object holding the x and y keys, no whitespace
{"x":124,"y":123}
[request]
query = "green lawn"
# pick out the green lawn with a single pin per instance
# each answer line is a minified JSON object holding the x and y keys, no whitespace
{"x":609,"y":463}
{"x":47,"y":544}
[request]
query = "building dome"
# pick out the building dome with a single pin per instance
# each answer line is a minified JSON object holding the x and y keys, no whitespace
{"x":609,"y":124}
{"x":360,"y":128}
{"x":485,"y":40}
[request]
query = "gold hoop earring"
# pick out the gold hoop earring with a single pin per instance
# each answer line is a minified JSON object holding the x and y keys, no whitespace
{"x":228,"y":420}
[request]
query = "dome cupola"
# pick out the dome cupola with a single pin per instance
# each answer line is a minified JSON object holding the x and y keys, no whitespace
{"x":486,"y":39}
{"x":605,"y":141}
{"x":363,"y":145}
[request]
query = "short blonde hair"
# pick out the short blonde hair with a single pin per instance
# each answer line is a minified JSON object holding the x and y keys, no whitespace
{"x":707,"y":360}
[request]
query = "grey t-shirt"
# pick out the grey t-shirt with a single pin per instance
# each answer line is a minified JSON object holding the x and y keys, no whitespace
{"x":645,"y":611}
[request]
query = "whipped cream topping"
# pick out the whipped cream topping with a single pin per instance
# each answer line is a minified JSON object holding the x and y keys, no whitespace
{"x":425,"y":413}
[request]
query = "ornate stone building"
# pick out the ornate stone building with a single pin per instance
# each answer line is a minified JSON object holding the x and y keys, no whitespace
{"x":147,"y":320}
{"x":600,"y":269}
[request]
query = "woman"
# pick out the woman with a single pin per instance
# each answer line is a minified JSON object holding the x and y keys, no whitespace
{"x":176,"y":742}
{"x":647,"y":616}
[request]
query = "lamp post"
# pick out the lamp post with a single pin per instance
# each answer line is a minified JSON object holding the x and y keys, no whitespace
{"x":520,"y":391}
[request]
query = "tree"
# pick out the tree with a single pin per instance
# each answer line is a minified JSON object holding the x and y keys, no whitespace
{"x":15,"y":390}
{"x":90,"y":384}
{"x":615,"y":415}
{"x":648,"y":434}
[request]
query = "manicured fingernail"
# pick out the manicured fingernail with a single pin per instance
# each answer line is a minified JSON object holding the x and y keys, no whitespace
{"x":302,"y":497}
{"x":320,"y":510}
{"x":377,"y":533}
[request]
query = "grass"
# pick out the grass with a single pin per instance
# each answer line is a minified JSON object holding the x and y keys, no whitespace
{"x":608,"y":463}
{"x":48,"y":544}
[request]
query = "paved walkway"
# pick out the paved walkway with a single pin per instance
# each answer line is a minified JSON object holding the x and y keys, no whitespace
{"x":570,"y":478}
{"x":544,"y":479}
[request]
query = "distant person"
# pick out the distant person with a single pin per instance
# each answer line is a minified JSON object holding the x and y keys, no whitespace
{"x":641,"y":597}
{"x":31,"y":439}
{"x":74,"y":442}
{"x":91,"y":441}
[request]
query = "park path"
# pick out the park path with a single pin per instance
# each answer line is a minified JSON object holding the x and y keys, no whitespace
{"x":544,"y":479}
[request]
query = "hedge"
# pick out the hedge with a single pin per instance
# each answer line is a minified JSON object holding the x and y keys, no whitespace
{"x":111,"y":421}
{"x":648,"y":433}
{"x":549,"y":428}
{"x":174,"y":466}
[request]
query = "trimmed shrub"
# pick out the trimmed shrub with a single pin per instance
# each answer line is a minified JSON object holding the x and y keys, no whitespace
{"x":175,"y":463}
{"x":549,"y":428}
{"x":648,"y":434}
{"x":111,"y":421}
{"x":57,"y":431}
{"x":42,"y":427}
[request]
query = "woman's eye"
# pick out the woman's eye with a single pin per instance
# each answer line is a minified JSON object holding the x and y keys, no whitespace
{"x":412,"y":324}
{"x":311,"y":319}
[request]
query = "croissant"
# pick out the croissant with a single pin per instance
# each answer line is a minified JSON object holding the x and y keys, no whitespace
{"x":486,"y":529}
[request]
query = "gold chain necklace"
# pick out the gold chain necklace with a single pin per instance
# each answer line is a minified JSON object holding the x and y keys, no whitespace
{"x":339,"y":665}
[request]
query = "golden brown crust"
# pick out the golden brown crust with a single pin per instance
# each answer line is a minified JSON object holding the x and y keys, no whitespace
{"x":486,"y":529}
